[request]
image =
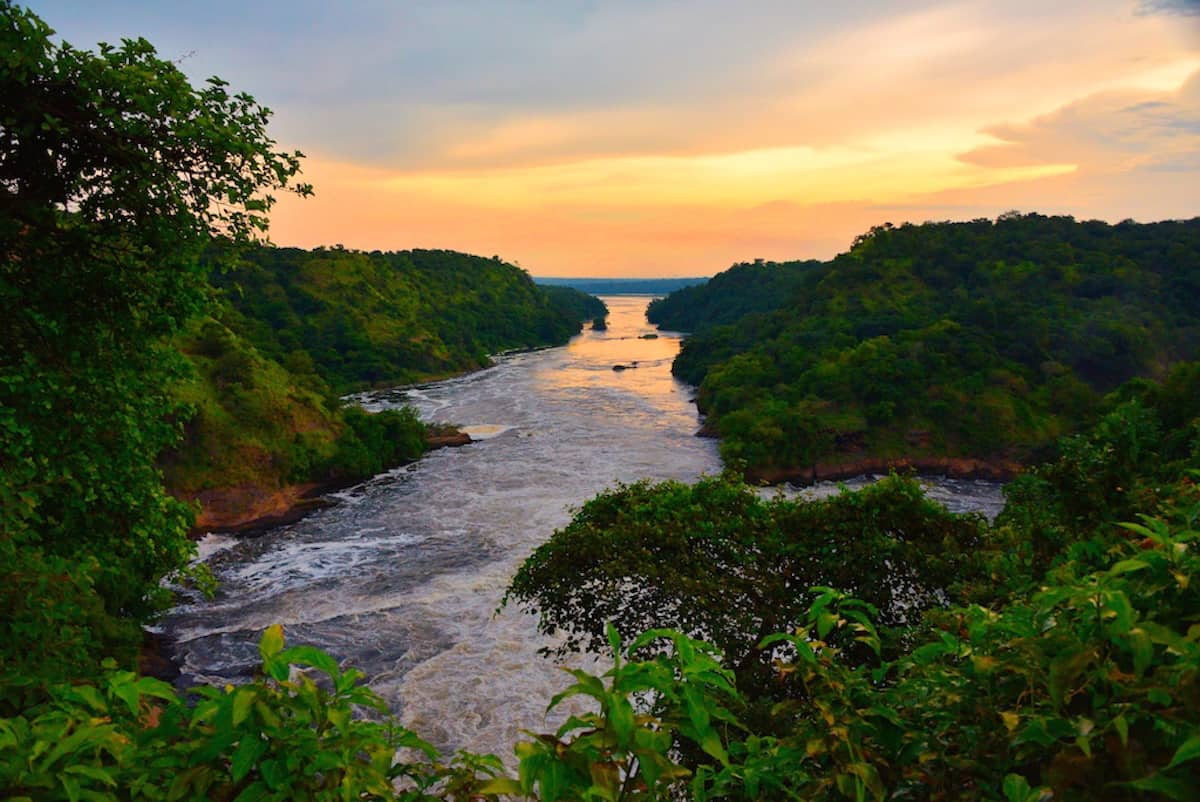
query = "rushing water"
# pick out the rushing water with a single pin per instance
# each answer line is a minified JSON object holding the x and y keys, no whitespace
{"x":403,"y":577}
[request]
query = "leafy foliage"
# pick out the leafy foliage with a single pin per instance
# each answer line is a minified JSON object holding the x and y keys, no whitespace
{"x":296,"y":733}
{"x":746,"y":288}
{"x":716,"y":561}
{"x":980,"y":339}
{"x":114,"y":174}
{"x":367,"y":319}
{"x":579,"y":305}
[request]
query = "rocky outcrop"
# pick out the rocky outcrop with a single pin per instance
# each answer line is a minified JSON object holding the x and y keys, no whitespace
{"x":250,"y":508}
{"x":957,"y":467}
{"x":449,"y":440}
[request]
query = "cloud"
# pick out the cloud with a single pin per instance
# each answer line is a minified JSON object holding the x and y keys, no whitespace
{"x":1107,"y":132}
{"x":618,"y":136}
{"x":1189,"y":8}
{"x":462,"y":84}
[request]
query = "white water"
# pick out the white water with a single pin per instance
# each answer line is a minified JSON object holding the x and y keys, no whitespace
{"x":402,"y":578}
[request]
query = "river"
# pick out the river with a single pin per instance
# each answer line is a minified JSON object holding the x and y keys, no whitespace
{"x":402,"y":578}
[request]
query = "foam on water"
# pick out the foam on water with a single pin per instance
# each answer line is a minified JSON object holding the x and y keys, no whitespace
{"x":484,"y":431}
{"x":404,"y":577}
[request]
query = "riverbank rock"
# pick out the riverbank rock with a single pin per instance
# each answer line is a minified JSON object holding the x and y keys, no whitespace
{"x":248,"y":508}
{"x":448,"y":440}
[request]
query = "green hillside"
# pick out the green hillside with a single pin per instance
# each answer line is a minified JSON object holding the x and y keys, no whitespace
{"x":743,"y":289}
{"x":297,"y":328}
{"x":578,"y":304}
{"x":372,"y":319}
{"x":981,"y":339}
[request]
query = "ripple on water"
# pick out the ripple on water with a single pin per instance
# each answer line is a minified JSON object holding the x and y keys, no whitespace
{"x":404,"y":577}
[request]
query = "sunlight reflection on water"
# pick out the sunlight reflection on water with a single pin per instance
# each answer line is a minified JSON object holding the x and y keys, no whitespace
{"x":403,"y":577}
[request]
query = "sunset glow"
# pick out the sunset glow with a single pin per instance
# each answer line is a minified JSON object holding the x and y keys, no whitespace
{"x":674,"y":139}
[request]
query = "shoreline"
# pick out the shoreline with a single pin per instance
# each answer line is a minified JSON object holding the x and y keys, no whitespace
{"x":953,"y":467}
{"x":248,"y":510}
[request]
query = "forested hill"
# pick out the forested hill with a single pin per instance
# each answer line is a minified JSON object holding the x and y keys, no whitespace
{"x":295,"y":329}
{"x":621,"y":286}
{"x":741,"y":290}
{"x":365,"y":319}
{"x":579,"y":305}
{"x":980,"y":339}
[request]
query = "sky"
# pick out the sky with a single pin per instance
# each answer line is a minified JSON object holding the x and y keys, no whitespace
{"x":656,"y":138}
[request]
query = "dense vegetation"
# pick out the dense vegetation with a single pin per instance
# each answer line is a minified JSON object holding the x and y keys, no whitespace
{"x":367,"y":319}
{"x":983,"y":339}
{"x":294,"y":329}
{"x":579,"y":305}
{"x":1056,"y":655}
{"x":621,"y":286}
{"x":1053,"y":654}
{"x":748,"y":288}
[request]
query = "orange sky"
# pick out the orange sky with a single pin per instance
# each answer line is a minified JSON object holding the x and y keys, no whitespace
{"x":951,"y":112}
{"x":909,"y":123}
{"x":656,"y":138}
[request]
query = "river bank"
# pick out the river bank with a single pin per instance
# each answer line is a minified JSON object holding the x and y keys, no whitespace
{"x":247,"y":509}
{"x":952,"y":467}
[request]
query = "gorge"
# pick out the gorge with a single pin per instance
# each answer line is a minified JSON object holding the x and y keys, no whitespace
{"x":402,"y":578}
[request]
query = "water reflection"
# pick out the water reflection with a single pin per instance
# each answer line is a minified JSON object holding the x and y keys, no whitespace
{"x":631,"y":355}
{"x":403,"y":577}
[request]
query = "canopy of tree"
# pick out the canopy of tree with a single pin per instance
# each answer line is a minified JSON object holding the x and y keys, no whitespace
{"x":983,"y":339}
{"x":622,"y":286}
{"x":371,"y":319}
{"x":577,"y":303}
{"x":718,"y":562}
{"x":743,"y":289}
{"x":115,"y":173}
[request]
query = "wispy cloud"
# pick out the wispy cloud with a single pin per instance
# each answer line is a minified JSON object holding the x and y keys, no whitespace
{"x":1108,"y":132}
{"x":1190,"y":8}
{"x":651,"y":135}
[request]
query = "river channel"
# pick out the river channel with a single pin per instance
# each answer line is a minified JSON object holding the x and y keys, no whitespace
{"x":402,"y":578}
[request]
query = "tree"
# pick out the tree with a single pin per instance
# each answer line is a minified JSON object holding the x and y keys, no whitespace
{"x":717,"y":562}
{"x":115,"y":172}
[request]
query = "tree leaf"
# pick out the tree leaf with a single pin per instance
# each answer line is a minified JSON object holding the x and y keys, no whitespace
{"x":1188,"y":750}
{"x":271,"y":643}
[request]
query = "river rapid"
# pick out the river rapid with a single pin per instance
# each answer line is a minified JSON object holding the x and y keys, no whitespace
{"x":403,"y":577}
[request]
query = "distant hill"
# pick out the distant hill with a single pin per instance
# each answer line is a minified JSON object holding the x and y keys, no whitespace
{"x":578,"y":304}
{"x":622,"y":286}
{"x":980,"y":340}
{"x":373,"y":319}
{"x":743,"y":289}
